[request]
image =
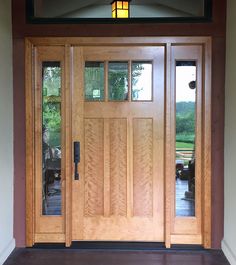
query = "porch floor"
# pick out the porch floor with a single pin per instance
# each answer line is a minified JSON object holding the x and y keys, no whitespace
{"x":27,"y":256}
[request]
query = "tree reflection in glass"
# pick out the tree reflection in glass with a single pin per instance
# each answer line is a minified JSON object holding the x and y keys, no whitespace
{"x":118,"y":81}
{"x":185,"y":137}
{"x":51,"y":138}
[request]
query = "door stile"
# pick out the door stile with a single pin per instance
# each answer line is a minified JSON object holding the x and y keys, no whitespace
{"x":29,"y":103}
{"x":206,"y":182}
{"x":169,"y":146}
{"x":78,"y":135}
{"x":68,"y":144}
{"x":159,"y":140}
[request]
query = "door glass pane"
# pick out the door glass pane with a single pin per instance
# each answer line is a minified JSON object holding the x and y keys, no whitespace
{"x":118,"y":81}
{"x":51,"y":138}
{"x":185,"y":137}
{"x":139,"y":9}
{"x":94,"y":81}
{"x":141,"y":81}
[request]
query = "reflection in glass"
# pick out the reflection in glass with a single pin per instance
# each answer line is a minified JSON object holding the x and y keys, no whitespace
{"x":102,"y":9}
{"x":185,"y":137}
{"x":118,"y":81}
{"x":94,"y":81}
{"x":51,"y":138}
{"x":141,"y":81}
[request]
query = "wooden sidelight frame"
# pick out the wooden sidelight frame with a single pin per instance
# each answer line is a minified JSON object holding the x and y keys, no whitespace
{"x":172,"y":236}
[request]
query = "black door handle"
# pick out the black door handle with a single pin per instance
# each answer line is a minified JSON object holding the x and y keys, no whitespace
{"x":76,"y":158}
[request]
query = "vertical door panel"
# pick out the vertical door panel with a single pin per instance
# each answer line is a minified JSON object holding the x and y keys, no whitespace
{"x":120,"y":192}
{"x":49,"y":170}
{"x":186,"y":212}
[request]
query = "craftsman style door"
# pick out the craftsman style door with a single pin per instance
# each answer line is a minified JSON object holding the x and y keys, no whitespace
{"x":118,"y":140}
{"x":118,"y":118}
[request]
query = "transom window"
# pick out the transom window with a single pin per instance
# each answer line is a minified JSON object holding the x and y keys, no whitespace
{"x":44,"y":11}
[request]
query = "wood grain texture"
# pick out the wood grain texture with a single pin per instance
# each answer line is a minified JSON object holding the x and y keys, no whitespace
{"x":169,"y":149}
{"x":46,"y":224}
{"x":118,"y":167}
{"x":94,"y":170}
{"x":116,"y":143}
{"x":29,"y":103}
{"x":106,"y":140}
{"x":143,"y":167}
{"x":207,"y":161}
{"x":120,"y":228}
{"x":199,"y":226}
{"x":66,"y":136}
{"x":78,"y":135}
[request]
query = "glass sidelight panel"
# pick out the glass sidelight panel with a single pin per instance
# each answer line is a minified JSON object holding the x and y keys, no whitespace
{"x":185,"y":137}
{"x":51,"y":138}
{"x":142,"y":81}
{"x":94,"y":81}
{"x":118,"y":81}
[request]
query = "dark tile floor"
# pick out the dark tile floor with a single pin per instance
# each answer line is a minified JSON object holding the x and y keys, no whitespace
{"x":26,"y":256}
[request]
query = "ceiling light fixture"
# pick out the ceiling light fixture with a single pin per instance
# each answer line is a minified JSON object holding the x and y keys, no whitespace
{"x":120,"y":9}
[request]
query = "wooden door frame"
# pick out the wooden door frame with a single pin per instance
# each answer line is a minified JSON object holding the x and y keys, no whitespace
{"x":167,"y":42}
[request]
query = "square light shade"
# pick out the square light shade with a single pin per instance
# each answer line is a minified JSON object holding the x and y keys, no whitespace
{"x":120,"y":9}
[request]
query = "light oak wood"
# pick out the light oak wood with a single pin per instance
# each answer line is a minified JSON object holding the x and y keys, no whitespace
{"x":118,"y":118}
{"x":114,"y":41}
{"x":143,"y":167}
{"x":94,"y":167}
{"x":186,"y":239}
{"x":117,"y":173}
{"x":29,"y":103}
{"x":169,"y":147}
{"x":192,"y":226}
{"x":66,"y":136}
{"x":47,"y":224}
{"x":207,"y":161}
{"x":49,"y":238}
{"x":189,"y":225}
{"x":130,"y":205}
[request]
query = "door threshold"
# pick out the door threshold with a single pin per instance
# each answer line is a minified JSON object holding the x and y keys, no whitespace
{"x":114,"y":245}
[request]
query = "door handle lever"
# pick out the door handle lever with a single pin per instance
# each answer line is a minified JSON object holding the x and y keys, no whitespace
{"x":76,"y":158}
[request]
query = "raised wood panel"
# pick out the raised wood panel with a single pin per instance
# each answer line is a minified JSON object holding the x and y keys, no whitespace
{"x":186,"y":239}
{"x":120,"y":228}
{"x":94,"y":170}
{"x":49,"y":238}
{"x":143,"y":167}
{"x":118,"y":166}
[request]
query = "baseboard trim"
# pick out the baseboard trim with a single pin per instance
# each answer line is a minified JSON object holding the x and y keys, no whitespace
{"x":228,"y":252}
{"x":7,"y":251}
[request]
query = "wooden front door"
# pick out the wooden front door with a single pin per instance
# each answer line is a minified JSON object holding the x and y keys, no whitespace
{"x":141,"y":110}
{"x":118,"y":118}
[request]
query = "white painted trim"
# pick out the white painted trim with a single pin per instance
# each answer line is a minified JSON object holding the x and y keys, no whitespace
{"x":228,"y":252}
{"x":7,"y":251}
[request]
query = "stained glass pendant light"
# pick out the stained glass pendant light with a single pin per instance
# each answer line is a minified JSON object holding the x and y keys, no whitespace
{"x":121,"y":9}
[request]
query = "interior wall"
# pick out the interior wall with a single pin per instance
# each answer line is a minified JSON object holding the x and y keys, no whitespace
{"x":229,"y":242}
{"x":6,"y":132}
